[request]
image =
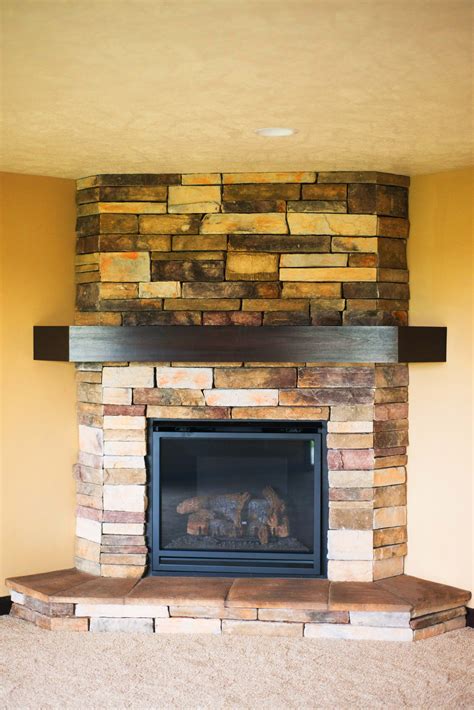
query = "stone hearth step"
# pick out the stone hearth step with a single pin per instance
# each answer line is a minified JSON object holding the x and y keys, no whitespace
{"x":401,"y":608}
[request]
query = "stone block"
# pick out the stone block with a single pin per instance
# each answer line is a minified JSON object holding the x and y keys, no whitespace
{"x":211,"y":612}
{"x":124,"y":409}
{"x":124,"y":462}
{"x":241,"y":397}
{"x":121,"y":611}
{"x":259,"y":377}
{"x":350,"y":570}
{"x":184,"y":199}
{"x":188,"y":412}
{"x":169,"y":224}
{"x":390,"y":619}
{"x":118,"y":224}
{"x":324,"y":192}
{"x":304,"y":616}
{"x":132,"y":625}
{"x":87,"y":549}
{"x":390,"y":476}
{"x":357,"y":633}
{"x":88,"y":529}
{"x":188,"y":270}
{"x":241,"y":223}
{"x":275,"y":243}
{"x":385,"y":553}
{"x":389,"y":567}
{"x":111,"y":291}
{"x":117,"y":395}
{"x":397,"y":410}
{"x":184,"y":377}
{"x":423,"y":622}
{"x":125,"y":448}
{"x":235,"y":289}
{"x":328,"y":274}
{"x":351,"y":478}
{"x":178,"y":625}
{"x":350,"y":441}
{"x":302,"y":260}
{"x":352,"y":412}
{"x":286,"y":317}
{"x":123,"y":529}
{"x":133,"y":376}
{"x":310,"y":396}
{"x":350,"y":427}
{"x":350,"y":494}
{"x":351,"y":459}
{"x":133,"y":193}
{"x":262,"y":192}
{"x":17,"y":597}
{"x":130,"y":498}
{"x":355,"y":244}
{"x":122,"y":571}
{"x":388,"y":496}
{"x":278,"y":177}
{"x":333,"y":224}
{"x":124,"y":476}
{"x":160,"y":289}
{"x":125,"y":266}
{"x":274,"y":304}
{"x":350,"y":544}
{"x":262,"y":628}
{"x":349,"y":377}
{"x":393,"y":227}
{"x":200,"y":242}
{"x":392,"y":253}
{"x":253,"y":206}
{"x":351,"y":516}
{"x":201,"y":179}
{"x":312,"y":206}
{"x":201,"y":304}
{"x":252,"y":267}
{"x":91,"y":439}
{"x":124,"y":422}
{"x":311,"y":290}
{"x":281,"y":413}
{"x":390,"y":517}
{"x":390,"y":536}
{"x":89,"y":393}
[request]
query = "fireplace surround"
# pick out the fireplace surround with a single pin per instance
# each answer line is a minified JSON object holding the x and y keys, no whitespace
{"x":243,"y":252}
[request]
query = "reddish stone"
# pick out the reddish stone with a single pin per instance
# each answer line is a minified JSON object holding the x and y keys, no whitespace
{"x":120,"y":516}
{"x":123,"y":409}
{"x":231,"y":318}
{"x":351,"y":459}
{"x":336,"y":377}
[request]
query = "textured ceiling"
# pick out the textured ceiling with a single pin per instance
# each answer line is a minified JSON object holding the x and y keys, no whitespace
{"x":95,"y":86}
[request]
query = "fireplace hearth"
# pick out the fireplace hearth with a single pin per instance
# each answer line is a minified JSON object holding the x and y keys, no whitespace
{"x":240,"y":497}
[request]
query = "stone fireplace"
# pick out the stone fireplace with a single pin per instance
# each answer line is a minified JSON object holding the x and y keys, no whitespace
{"x":257,"y":466}
{"x":279,"y":249}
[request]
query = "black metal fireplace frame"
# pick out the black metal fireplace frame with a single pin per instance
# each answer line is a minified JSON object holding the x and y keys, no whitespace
{"x":242,"y":564}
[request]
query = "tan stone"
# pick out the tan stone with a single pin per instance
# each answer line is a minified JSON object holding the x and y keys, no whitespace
{"x":125,"y":266}
{"x":352,"y":412}
{"x":188,"y":626}
{"x":252,"y":267}
{"x":311,"y":290}
{"x":201,"y":179}
{"x":329,"y":274}
{"x":350,"y":571}
{"x":133,"y":376}
{"x":241,"y":397}
{"x":389,"y":567}
{"x":121,"y":610}
{"x":350,"y":427}
{"x":390,"y":517}
{"x":350,"y":441}
{"x":337,"y":224}
{"x":173,"y":412}
{"x":183,"y":199}
{"x":124,"y":476}
{"x":350,"y":544}
{"x":184,"y":377}
{"x":212,"y":612}
{"x":89,"y":393}
{"x":201,"y":304}
{"x":298,"y":177}
{"x":127,"y":498}
{"x":384,"y":553}
{"x":299,"y":260}
{"x":122,"y":571}
{"x":98,"y":319}
{"x":283,"y":413}
{"x":258,"y":223}
{"x":121,"y":558}
{"x":124,"y":434}
{"x":117,"y":395}
{"x":130,"y":207}
{"x":159,"y":289}
{"x":350,"y":515}
{"x":87,"y":549}
{"x":123,"y":528}
{"x":262,"y":628}
{"x":274,"y":304}
{"x":169,"y":224}
{"x":386,"y":496}
{"x":250,"y":377}
{"x":390,"y":536}
{"x":304,"y":615}
{"x":215,"y":242}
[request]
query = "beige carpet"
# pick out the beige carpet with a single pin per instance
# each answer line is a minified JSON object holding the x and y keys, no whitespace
{"x":43,"y":669}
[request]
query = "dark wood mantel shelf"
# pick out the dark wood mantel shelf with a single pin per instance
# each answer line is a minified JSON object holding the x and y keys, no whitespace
{"x":380,"y":344}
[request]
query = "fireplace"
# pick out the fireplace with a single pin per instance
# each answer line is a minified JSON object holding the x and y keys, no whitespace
{"x":238,"y":498}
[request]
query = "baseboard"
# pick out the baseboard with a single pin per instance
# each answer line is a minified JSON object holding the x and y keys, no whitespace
{"x":5,"y":605}
{"x":470,"y":617}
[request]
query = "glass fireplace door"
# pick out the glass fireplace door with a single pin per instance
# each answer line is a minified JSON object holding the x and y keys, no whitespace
{"x":236,"y":500}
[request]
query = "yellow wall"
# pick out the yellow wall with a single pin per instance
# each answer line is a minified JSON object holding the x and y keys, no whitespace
{"x":440,"y":473}
{"x":37,"y":398}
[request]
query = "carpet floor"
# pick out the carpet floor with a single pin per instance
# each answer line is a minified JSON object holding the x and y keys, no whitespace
{"x":43,"y":669}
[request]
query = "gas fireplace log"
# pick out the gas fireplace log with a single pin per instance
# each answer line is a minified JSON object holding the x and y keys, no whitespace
{"x":277,"y":518}
{"x":198,"y":523}
{"x":192,"y":505}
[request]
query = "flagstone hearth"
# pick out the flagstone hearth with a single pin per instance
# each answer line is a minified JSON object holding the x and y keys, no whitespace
{"x":402,"y":608}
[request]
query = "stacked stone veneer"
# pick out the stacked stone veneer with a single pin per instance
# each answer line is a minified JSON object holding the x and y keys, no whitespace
{"x":366,"y":410}
{"x":244,"y":249}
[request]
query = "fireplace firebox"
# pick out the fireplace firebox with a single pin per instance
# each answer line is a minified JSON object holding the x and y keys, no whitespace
{"x":242,"y":498}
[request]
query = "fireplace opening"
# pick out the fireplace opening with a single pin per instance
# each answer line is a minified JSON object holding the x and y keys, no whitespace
{"x":238,"y":498}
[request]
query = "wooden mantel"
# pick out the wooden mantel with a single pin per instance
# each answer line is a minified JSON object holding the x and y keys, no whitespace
{"x":348,"y":344}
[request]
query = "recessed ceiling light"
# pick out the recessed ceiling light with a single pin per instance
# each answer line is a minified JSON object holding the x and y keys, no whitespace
{"x":275,"y":132}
